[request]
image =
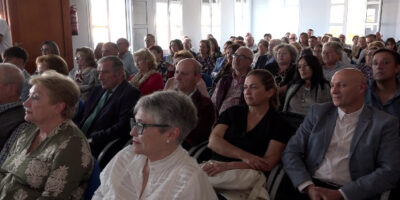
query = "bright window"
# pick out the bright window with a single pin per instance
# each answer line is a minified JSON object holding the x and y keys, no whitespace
{"x":242,"y":17}
{"x":211,"y":18}
{"x":108,"y":20}
{"x":338,"y":13}
{"x":168,"y":19}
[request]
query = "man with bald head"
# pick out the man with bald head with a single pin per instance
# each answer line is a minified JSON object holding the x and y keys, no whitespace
{"x":187,"y":75}
{"x":344,"y":149}
{"x":11,"y":110}
{"x":126,"y":56}
{"x":229,"y":89}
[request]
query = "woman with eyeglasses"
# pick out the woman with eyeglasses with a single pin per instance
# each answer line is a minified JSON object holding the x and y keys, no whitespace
{"x":308,"y":87}
{"x":86,"y":76}
{"x":49,"y":47}
{"x":155,"y":166}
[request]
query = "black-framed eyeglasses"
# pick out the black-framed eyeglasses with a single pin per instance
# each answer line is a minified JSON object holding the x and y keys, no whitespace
{"x":240,"y":56}
{"x":139,"y":127}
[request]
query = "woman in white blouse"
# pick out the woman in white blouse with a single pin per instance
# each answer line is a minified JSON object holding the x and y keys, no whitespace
{"x":155,"y":166}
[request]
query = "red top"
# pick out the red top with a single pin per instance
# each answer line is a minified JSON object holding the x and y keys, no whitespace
{"x":153,"y":83}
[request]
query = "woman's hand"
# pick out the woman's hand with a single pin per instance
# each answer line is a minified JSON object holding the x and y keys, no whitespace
{"x":214,"y":167}
{"x":255,"y":162}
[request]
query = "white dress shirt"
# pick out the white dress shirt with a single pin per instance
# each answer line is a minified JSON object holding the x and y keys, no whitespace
{"x":335,"y":165}
{"x":178,"y":176}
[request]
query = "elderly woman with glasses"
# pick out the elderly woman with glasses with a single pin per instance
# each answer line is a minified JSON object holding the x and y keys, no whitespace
{"x":155,"y":166}
{"x":51,"y":160}
{"x":86,"y":76}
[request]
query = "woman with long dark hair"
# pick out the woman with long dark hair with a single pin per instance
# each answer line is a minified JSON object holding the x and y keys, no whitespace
{"x":308,"y":87}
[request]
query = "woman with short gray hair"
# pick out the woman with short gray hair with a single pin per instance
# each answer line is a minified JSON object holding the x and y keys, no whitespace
{"x":284,"y":66}
{"x":332,"y":56}
{"x":155,"y":166}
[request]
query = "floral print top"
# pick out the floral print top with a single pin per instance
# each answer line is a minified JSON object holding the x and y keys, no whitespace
{"x":58,"y":168}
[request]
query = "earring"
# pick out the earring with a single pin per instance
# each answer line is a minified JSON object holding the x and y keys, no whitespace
{"x":167,"y":141}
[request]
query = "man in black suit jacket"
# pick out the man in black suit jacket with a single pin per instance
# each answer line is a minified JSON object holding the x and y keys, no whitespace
{"x":187,"y":75}
{"x":102,"y":124}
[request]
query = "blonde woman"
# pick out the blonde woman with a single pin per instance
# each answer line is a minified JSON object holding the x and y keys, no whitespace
{"x":147,"y":80}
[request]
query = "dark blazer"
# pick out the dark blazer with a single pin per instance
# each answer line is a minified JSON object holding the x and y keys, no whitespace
{"x":113,"y":120}
{"x":261,"y":62}
{"x":374,"y":151}
{"x":206,"y":117}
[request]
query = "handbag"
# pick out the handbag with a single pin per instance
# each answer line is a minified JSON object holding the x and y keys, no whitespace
{"x":240,"y":184}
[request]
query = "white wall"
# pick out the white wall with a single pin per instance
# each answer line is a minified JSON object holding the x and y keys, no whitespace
{"x":83,"y":37}
{"x":390,"y":22}
{"x":192,"y":21}
{"x":315,"y":15}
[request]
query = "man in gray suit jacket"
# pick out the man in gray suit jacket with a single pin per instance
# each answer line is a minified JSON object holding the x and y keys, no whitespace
{"x":344,"y":150}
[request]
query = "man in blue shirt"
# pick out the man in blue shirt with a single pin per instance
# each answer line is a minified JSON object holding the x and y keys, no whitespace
{"x":384,"y":91}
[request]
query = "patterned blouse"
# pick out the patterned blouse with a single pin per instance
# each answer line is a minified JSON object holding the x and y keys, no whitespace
{"x":58,"y":168}
{"x":206,"y":63}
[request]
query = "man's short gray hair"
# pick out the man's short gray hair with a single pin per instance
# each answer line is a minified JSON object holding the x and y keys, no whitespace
{"x":11,"y":74}
{"x":337,"y":46}
{"x":117,"y":64}
{"x":170,"y":107}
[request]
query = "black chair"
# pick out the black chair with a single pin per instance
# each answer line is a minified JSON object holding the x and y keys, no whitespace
{"x":110,"y":150}
{"x":201,"y":152}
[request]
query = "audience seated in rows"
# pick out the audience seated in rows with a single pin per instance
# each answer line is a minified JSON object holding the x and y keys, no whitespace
{"x":49,"y":47}
{"x":250,"y":136}
{"x":86,"y":76}
{"x":283,"y":68}
{"x":368,"y":39}
{"x":51,"y":160}
{"x":12,"y":112}
{"x":187,"y":76}
{"x":106,"y":113}
{"x":174,"y":46}
{"x":187,"y":45}
{"x":332,"y":53}
{"x":51,"y":62}
{"x":18,"y":56}
{"x":344,"y":149}
{"x":215,"y":51}
{"x":384,"y":91}
{"x":366,"y":68}
{"x":205,"y":58}
{"x":229,"y":89}
{"x":155,"y":166}
{"x":308,"y":87}
{"x":262,"y":49}
{"x":126,"y":56}
{"x":149,"y":41}
{"x":303,"y":40}
{"x":109,"y":49}
{"x":249,"y":40}
{"x":162,"y":66}
{"x":220,"y":62}
{"x":227,"y":66}
{"x":172,"y":83}
{"x":147,"y":80}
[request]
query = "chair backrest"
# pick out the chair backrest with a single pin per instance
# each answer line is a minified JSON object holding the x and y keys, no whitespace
{"x":94,"y":180}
